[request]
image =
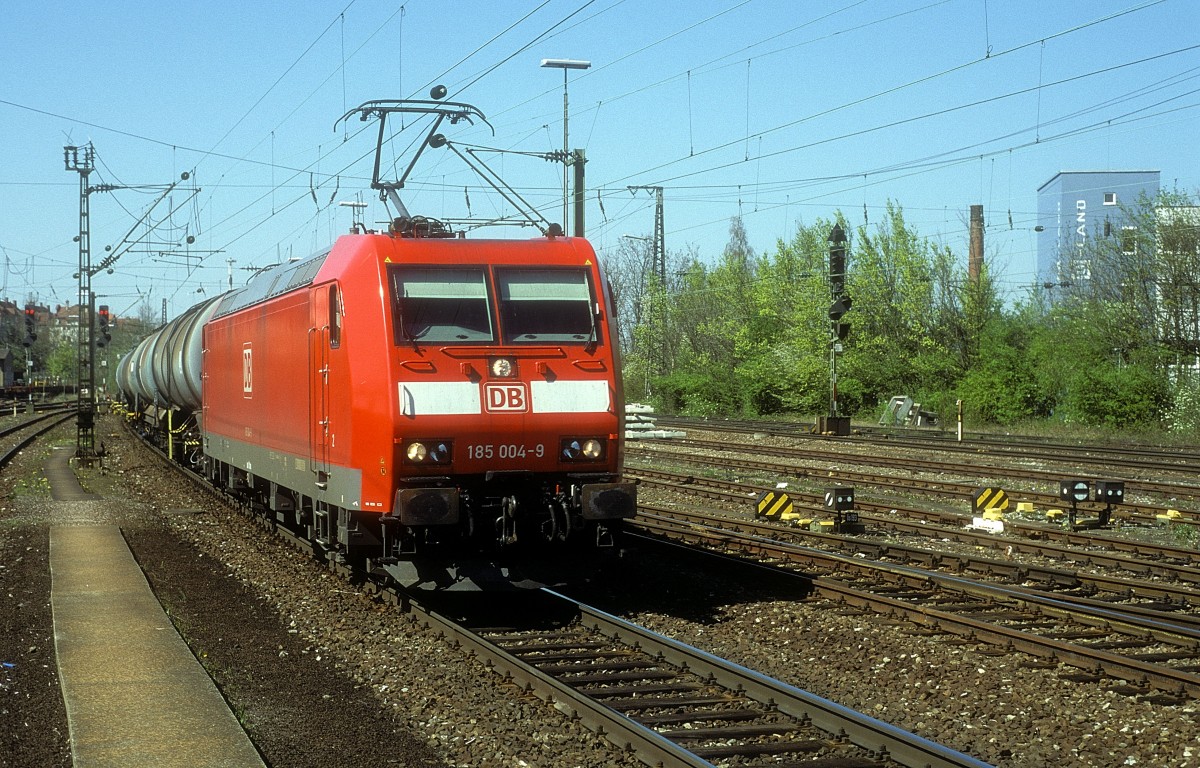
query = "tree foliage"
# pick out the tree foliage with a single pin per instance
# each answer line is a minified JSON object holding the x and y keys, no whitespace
{"x":750,"y":334}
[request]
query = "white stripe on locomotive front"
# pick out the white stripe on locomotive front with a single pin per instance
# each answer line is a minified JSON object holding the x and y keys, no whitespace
{"x":458,"y":398}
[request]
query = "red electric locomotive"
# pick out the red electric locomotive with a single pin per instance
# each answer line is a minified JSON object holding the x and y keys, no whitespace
{"x":447,"y":410}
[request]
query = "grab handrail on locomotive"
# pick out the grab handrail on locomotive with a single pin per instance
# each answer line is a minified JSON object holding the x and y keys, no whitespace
{"x":446,"y":410}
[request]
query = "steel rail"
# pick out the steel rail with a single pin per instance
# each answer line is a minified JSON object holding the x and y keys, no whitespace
{"x":1172,"y":681}
{"x":1133,"y":618}
{"x":1153,"y":458}
{"x":7,"y":457}
{"x":862,"y":730}
{"x":974,"y":469}
{"x":882,"y":517}
{"x":653,"y":748}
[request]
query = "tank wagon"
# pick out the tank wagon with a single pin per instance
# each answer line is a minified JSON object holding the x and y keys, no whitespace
{"x":445,"y":409}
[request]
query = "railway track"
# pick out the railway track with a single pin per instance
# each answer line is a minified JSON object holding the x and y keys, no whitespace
{"x":18,"y":436}
{"x":1148,"y":458}
{"x":1158,"y":602}
{"x":1084,"y":548}
{"x":1147,"y":650}
{"x":1131,"y":508}
{"x":669,"y":703}
{"x":675,"y":705}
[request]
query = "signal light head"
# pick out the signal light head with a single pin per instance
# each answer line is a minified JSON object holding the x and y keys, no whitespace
{"x":1110,"y":491}
{"x":30,"y":325}
{"x":1073,"y":490}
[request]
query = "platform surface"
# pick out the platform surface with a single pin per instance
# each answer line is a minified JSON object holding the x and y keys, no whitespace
{"x":135,"y":695}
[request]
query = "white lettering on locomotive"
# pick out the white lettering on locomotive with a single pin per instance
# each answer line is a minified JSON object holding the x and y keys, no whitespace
{"x":450,"y":398}
{"x":505,"y":451}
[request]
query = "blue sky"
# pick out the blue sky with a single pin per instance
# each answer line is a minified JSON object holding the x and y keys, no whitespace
{"x":781,"y":112}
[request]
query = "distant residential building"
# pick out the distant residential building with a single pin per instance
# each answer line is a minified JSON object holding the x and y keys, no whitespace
{"x":7,"y":376}
{"x":1075,"y":208}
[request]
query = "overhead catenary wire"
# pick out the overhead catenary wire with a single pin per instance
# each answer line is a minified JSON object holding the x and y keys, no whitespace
{"x":244,"y":215}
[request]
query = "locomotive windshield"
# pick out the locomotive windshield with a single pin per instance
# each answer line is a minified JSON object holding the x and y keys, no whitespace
{"x":441,"y":305}
{"x":454,"y":304}
{"x":539,"y":305}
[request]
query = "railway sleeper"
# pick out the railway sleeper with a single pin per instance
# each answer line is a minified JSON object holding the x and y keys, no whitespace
{"x":776,"y":728}
{"x":700,"y":715}
{"x":620,"y":677}
{"x":602,"y":692}
{"x":642,"y":703}
{"x":768,"y":748}
{"x":587,"y":665}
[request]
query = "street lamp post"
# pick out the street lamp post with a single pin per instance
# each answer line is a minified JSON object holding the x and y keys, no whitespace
{"x":564,"y":65}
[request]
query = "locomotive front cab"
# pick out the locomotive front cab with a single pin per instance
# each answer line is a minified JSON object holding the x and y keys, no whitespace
{"x":509,"y":415}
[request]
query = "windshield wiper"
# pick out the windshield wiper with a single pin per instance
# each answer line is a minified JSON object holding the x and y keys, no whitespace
{"x":407,"y":333}
{"x":593,"y":337}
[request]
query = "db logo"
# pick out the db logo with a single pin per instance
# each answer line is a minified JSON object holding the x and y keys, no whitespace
{"x":505,"y":398}
{"x":247,"y":370}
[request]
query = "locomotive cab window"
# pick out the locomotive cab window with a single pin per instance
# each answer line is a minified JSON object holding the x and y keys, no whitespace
{"x":540,"y":305}
{"x":335,"y":318}
{"x":432,"y":304}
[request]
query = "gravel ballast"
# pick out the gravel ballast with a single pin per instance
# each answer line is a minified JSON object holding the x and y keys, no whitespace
{"x":321,"y":673}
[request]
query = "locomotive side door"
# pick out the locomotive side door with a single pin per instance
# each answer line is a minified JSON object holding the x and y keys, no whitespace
{"x":324,"y":333}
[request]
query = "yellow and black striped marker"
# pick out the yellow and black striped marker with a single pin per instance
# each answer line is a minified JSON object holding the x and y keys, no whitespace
{"x":990,"y":498}
{"x":774,"y":505}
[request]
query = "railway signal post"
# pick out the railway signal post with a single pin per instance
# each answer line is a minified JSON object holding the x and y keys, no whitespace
{"x":835,"y":423}
{"x":1111,"y":492}
{"x":82,"y":161}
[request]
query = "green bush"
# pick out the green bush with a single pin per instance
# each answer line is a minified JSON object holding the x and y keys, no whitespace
{"x":1115,"y":396}
{"x":1183,"y":415}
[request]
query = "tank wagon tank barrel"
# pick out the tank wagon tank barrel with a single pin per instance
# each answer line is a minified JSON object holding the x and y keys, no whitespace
{"x":164,"y":369}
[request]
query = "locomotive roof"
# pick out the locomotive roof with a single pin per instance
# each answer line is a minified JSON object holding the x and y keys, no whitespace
{"x":272,"y":282}
{"x":281,"y":278}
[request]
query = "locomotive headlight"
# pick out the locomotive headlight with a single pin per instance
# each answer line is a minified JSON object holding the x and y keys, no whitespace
{"x":503,"y":368}
{"x":428,"y":452}
{"x":582,"y":449}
